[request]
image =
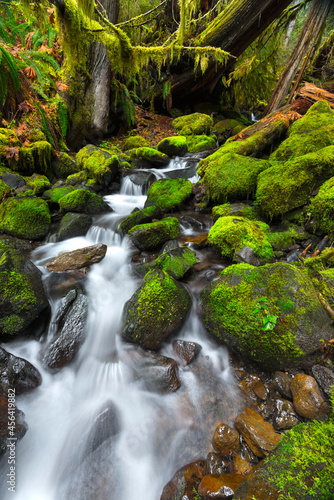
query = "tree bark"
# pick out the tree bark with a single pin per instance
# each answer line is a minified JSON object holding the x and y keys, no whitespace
{"x":303,"y":49}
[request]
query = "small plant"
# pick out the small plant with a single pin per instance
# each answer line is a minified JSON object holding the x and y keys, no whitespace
{"x":269,"y":320}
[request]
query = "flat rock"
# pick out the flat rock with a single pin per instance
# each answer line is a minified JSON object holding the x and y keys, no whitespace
{"x":219,"y":486}
{"x":83,"y":257}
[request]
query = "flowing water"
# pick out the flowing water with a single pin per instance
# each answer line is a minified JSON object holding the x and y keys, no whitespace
{"x":95,"y":431}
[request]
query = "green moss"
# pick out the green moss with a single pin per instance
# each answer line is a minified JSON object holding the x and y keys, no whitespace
{"x":285,"y":187}
{"x":168,"y":194}
{"x":233,"y":177}
{"x":173,"y":146}
{"x":56,"y":193}
{"x":4,"y":189}
{"x":235,"y":209}
{"x":231,"y":234}
{"x":153,"y":235}
{"x":83,"y":201}
{"x":198,"y":143}
{"x":322,"y":208}
{"x":145,"y":153}
{"x":194,"y":124}
{"x":229,"y":124}
{"x":135,"y":141}
{"x":287,"y":237}
{"x":99,"y":165}
{"x":11,"y":324}
{"x":35,"y":158}
{"x":38,"y":183}
{"x":140,"y":217}
{"x":78,"y":178}
{"x":27,"y":218}
{"x":64,"y":166}
{"x":176,"y":262}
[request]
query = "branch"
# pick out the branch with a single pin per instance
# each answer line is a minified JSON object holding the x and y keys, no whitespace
{"x":141,"y":15}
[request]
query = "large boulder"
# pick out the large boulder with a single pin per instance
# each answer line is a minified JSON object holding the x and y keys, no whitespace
{"x":77,"y":259}
{"x":173,"y":146}
{"x":83,"y":201}
{"x":100,"y":165}
{"x":17,"y":374}
{"x":27,"y":218}
{"x":175,"y":262}
{"x":194,"y":124}
{"x":22,"y":297}
{"x":73,"y":225}
{"x":322,"y":208}
{"x":157,"y":309}
{"x":270,"y":314}
{"x":147,"y":158}
{"x":153,"y":235}
{"x":168,"y":194}
{"x":138,"y":217}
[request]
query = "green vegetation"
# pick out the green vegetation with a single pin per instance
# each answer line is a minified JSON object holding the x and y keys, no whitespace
{"x":235,"y":209}
{"x":175,"y":262}
{"x":140,"y":217}
{"x":27,"y":218}
{"x":198,"y":143}
{"x":82,"y":201}
{"x":168,"y":194}
{"x":134,"y":142}
{"x":173,"y":146}
{"x":322,"y":208}
{"x":153,"y":235}
{"x":194,"y":124}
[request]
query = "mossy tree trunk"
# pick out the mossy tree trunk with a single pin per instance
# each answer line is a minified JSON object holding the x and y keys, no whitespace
{"x":303,"y":50}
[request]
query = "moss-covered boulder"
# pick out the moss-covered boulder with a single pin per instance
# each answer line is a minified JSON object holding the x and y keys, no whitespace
{"x":168,"y":194}
{"x":285,"y":235}
{"x":83,"y":201}
{"x":38,"y":183}
{"x":144,"y":157}
{"x":198,"y":143}
{"x":269,"y":314}
{"x":322,"y":208}
{"x":156,"y":310}
{"x":233,"y":177}
{"x":175,"y":262}
{"x":22,"y":296}
{"x":142,"y":216}
{"x":173,"y":146}
{"x":73,"y":225}
{"x":300,"y":467}
{"x":234,"y":209}
{"x":27,"y":218}
{"x":134,"y":142}
{"x":229,"y":124}
{"x":194,"y":124}
{"x":230,"y":234}
{"x":312,"y":132}
{"x":54,"y":194}
{"x":153,"y":235}
{"x":35,"y":158}
{"x":64,"y":165}
{"x":287,"y":186}
{"x":100,"y":165}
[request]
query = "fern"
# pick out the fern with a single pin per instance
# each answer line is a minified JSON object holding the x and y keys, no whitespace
{"x":9,"y":74}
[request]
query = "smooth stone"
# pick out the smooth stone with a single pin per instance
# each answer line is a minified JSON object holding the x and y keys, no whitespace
{"x":219,"y":487}
{"x":186,"y":351}
{"x":226,"y":440}
{"x":77,"y":259}
{"x":240,"y":465}
{"x":17,"y":373}
{"x":282,"y":383}
{"x":307,"y":398}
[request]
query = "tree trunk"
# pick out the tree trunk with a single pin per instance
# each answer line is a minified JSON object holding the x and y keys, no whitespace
{"x":89,"y":109}
{"x":305,"y":44}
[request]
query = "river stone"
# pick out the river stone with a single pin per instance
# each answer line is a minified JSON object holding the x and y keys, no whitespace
{"x":72,"y":332}
{"x":307,"y":397}
{"x":157,"y":373}
{"x":26,"y":218}
{"x":219,"y":486}
{"x":157,"y":309}
{"x":20,"y":426}
{"x":226,"y":440}
{"x":231,"y":309}
{"x":138,"y":217}
{"x":186,"y":351}
{"x":22,"y":297}
{"x":73,"y":225}
{"x":258,"y":434}
{"x":106,"y":424}
{"x":282,"y":383}
{"x":176,"y":262}
{"x":83,"y":201}
{"x":240,"y":465}
{"x":247,"y":255}
{"x":12,"y":180}
{"x":185,"y":481}
{"x":83,"y":257}
{"x":153,"y":235}
{"x":324,"y":376}
{"x":216,"y":464}
{"x":17,"y":373}
{"x":285,"y":415}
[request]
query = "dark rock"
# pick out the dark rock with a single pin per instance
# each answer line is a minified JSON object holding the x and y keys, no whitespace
{"x":185,"y":482}
{"x":282,"y":383}
{"x":83,"y":257}
{"x":17,"y":373}
{"x":157,"y":373}
{"x":247,"y":255}
{"x":73,"y":225}
{"x":106,"y":425}
{"x":324,"y":376}
{"x":19,"y":425}
{"x":307,"y":397}
{"x":285,"y":415}
{"x":215,"y":464}
{"x":14,"y":181}
{"x":186,"y":351}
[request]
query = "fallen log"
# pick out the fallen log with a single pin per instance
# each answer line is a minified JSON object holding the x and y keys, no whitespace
{"x":313,"y":94}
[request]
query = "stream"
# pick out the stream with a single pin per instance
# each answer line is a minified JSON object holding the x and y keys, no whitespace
{"x":96,"y":431}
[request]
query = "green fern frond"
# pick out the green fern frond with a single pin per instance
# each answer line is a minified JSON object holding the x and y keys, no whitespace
{"x":3,"y":87}
{"x":8,"y":61}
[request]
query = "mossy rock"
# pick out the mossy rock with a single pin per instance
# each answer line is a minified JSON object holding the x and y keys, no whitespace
{"x":269,"y":314}
{"x":26,"y":218}
{"x":64,"y":166}
{"x":144,"y":157}
{"x":54,"y":194}
{"x":287,"y":186}
{"x":286,"y":235}
{"x":173,"y":146}
{"x":198,"y":143}
{"x":300,"y":468}
{"x":142,"y":216}
{"x":321,"y":262}
{"x":135,"y":141}
{"x":155,"y":311}
{"x":168,"y":194}
{"x":73,"y":225}
{"x":4,"y":189}
{"x":234,"y":209}
{"x":153,"y":235}
{"x":22,"y":297}
{"x":38,"y":183}
{"x":230,"y":234}
{"x":175,"y":262}
{"x":83,"y":201}
{"x":79,"y":179}
{"x":233,"y":177}
{"x":194,"y":124}
{"x":322,"y":208}
{"x":35,"y":158}
{"x":234,"y":114}
{"x":101,"y":166}
{"x":229,"y":124}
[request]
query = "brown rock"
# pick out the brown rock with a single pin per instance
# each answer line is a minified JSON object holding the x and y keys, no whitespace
{"x":186,"y":351}
{"x":219,"y":486}
{"x":307,"y":398}
{"x":282,"y":383}
{"x":240,"y":465}
{"x":185,"y":482}
{"x":260,"y":390}
{"x":216,"y":464}
{"x":285,"y":415}
{"x":225,"y":440}
{"x":259,"y":434}
{"x":83,"y":257}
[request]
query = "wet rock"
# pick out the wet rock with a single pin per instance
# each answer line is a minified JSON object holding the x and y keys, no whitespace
{"x":17,"y":373}
{"x":186,"y":351}
{"x":259,"y":434}
{"x":12,"y":180}
{"x":157,"y":309}
{"x":285,"y":415}
{"x":72,"y":332}
{"x":138,"y":217}
{"x":226,"y":440}
{"x":184,"y":482}
{"x":219,"y":486}
{"x":215,"y":464}
{"x":143,"y":179}
{"x":73,"y":225}
{"x":282,"y":383}
{"x":307,"y":397}
{"x":175,"y":262}
{"x":324,"y":376}
{"x":83,"y":257}
{"x":156,"y":372}
{"x":152,"y":236}
{"x":105,"y":425}
{"x":247,"y":255}
{"x":240,"y":465}
{"x":19,"y":427}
